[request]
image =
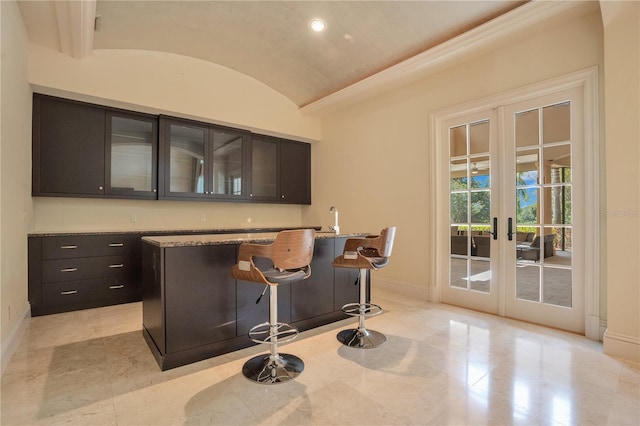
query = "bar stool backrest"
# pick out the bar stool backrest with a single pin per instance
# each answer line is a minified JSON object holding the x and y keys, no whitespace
{"x":291,"y":250}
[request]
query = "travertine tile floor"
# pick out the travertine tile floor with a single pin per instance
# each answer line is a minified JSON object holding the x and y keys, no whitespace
{"x":440,"y":365}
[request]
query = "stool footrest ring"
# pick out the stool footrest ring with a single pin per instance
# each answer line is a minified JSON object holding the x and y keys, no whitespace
{"x":362,"y":309}
{"x":284,"y":333}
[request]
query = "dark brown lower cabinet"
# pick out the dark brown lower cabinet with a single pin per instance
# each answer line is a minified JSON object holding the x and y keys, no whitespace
{"x":72,"y":272}
{"x":193,"y":309}
{"x":200,"y":296}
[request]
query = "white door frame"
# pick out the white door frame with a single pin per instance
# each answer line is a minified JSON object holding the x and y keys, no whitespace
{"x":587,"y":80}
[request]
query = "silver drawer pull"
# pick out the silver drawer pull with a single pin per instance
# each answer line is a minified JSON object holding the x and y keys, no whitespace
{"x":65,"y":293}
{"x":68,"y":270}
{"x":116,"y":245}
{"x":114,"y":287}
{"x":68,"y":247}
{"x":119,"y":265}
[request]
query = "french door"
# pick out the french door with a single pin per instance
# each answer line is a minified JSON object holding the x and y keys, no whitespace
{"x":514,"y":227}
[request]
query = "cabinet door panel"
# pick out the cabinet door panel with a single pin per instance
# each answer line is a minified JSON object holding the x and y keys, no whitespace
{"x":264,"y":169}
{"x":185,"y":161}
{"x":295,"y":172}
{"x":314,"y":296}
{"x":131,"y":153}
{"x":227,"y":179}
{"x":200,"y":296}
{"x":69,"y":144}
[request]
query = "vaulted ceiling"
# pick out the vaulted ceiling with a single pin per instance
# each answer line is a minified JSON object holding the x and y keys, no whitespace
{"x":270,"y":41}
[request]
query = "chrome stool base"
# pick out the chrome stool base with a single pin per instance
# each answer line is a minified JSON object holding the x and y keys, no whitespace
{"x":362,"y":339}
{"x":262,"y":369}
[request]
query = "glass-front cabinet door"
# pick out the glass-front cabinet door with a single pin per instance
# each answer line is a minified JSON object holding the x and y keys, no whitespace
{"x":185,"y":158}
{"x":264,"y":169}
{"x":202,"y":161}
{"x":131,"y":154}
{"x":228,"y":157}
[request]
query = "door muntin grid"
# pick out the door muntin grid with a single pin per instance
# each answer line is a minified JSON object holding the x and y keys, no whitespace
{"x":470,"y":207}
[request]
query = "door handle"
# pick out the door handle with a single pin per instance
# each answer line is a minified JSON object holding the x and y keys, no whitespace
{"x":510,"y":229}
{"x":495,"y":228}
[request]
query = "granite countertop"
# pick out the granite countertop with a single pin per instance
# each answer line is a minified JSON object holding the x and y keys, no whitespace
{"x":168,"y":231}
{"x":221,"y":239}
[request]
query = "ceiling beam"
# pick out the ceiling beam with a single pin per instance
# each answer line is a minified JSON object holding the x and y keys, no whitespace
{"x":76,"y":21}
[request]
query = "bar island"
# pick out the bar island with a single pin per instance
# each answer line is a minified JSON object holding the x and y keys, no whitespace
{"x":193,"y":309}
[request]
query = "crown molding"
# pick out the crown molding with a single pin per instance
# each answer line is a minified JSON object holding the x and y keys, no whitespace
{"x":413,"y":68}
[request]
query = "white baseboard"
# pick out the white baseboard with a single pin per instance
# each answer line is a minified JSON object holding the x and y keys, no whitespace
{"x":10,"y":345}
{"x":393,"y":290}
{"x":603,"y":328}
{"x":621,"y":346}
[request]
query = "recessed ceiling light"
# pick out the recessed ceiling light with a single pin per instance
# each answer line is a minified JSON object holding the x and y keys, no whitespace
{"x":318,"y":25}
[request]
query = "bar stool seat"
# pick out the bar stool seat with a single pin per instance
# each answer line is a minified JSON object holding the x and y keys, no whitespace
{"x":369,"y":253}
{"x":291,"y":254}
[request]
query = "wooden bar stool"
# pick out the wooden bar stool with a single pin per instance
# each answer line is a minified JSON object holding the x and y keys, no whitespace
{"x":371,"y":252}
{"x":291,"y":254}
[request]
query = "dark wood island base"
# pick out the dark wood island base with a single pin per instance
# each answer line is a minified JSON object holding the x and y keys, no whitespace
{"x":193,"y":309}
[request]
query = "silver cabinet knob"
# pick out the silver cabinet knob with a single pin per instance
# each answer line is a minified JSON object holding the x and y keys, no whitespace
{"x":282,"y":196}
{"x":155,"y":190}
{"x":100,"y":188}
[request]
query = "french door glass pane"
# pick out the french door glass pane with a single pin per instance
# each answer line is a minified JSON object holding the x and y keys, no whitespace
{"x":527,"y":167}
{"x":527,"y":205}
{"x":458,"y":141}
{"x":480,"y":172}
{"x":458,"y":275}
{"x":479,"y":137}
{"x":527,"y":128}
{"x":558,"y":205}
{"x":557,"y":286}
{"x":458,"y":171}
{"x":480,"y":206}
{"x":556,"y":121}
{"x":528,"y":282}
{"x":459,"y":207}
{"x":557,"y":160}
{"x":480,"y":277}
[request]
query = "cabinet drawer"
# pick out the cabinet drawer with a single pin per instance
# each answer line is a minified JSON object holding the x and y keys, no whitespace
{"x":88,"y":245}
{"x":73,"y":292}
{"x":84,"y":268}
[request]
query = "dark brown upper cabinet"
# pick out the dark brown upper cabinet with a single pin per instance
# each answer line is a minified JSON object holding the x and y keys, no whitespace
{"x":86,"y":150}
{"x":280,"y":170}
{"x":68,"y":148}
{"x":202,"y":161}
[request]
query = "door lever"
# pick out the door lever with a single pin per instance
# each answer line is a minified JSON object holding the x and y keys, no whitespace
{"x":495,"y":228}
{"x":510,"y":229}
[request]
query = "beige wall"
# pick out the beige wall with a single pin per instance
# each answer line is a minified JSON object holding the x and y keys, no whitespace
{"x":621,"y":22}
{"x":15,"y":170}
{"x":373,"y":162}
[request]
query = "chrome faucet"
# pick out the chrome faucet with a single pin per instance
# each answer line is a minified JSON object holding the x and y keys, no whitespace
{"x":335,"y":228}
